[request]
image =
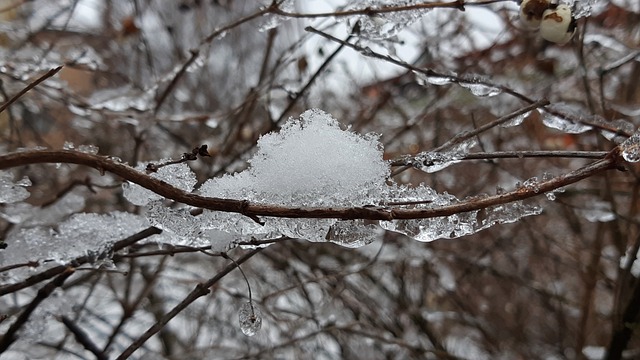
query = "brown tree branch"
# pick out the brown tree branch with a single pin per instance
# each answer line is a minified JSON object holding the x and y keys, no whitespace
{"x":103,"y":163}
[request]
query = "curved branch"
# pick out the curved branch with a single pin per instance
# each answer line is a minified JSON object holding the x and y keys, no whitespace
{"x":103,"y":163}
{"x":371,"y":11}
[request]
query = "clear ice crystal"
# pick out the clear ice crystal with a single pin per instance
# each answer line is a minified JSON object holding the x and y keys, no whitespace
{"x":79,"y":235}
{"x":630,"y":148}
{"x":384,"y":25}
{"x":618,"y":128}
{"x":457,"y":225}
{"x":564,"y":123}
{"x":250,"y":318}
{"x":435,"y":79}
{"x":89,"y":149}
{"x":597,"y":211}
{"x":352,"y":233}
{"x":516,"y":121}
{"x":178,"y":175}
{"x":423,"y":197}
{"x":122,"y":99}
{"x":274,"y":20}
{"x":479,"y":87}
{"x":505,"y":214}
{"x":532,"y":184}
{"x":178,"y":221}
{"x":13,"y":192}
{"x":433,"y":161}
{"x":425,"y":230}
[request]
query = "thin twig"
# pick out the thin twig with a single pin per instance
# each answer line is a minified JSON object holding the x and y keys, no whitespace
{"x":174,"y":81}
{"x":306,"y":87}
{"x":31,"y":85}
{"x":201,"y":289}
{"x":470,"y":134}
{"x":521,"y":155}
{"x":10,"y":336}
{"x":461,"y":80}
{"x":84,"y":339}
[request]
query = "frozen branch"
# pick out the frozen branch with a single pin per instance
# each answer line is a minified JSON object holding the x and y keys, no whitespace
{"x":102,"y":163}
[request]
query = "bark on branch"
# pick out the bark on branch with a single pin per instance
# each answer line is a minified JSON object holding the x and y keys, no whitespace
{"x":103,"y":163}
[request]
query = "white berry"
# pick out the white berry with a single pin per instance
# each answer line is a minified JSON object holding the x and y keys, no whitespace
{"x":557,"y":25}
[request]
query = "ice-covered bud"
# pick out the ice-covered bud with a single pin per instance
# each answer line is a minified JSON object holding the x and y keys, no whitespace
{"x":558,"y":25}
{"x":531,"y":12}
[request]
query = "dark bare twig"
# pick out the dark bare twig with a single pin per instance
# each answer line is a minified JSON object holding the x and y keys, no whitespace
{"x":311,"y":81}
{"x":84,"y":339}
{"x":201,"y":289}
{"x":10,"y":336}
{"x":174,"y":81}
{"x":193,"y":155}
{"x":622,"y":333}
{"x":31,"y":85}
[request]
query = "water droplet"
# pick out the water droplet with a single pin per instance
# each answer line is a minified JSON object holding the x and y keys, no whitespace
{"x":431,"y":161}
{"x":424,"y":79}
{"x":479,"y":89}
{"x":565,"y":118}
{"x":516,"y":120}
{"x":250,"y":319}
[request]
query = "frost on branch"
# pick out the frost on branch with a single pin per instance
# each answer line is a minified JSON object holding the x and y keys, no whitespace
{"x":311,"y":162}
{"x":562,"y":123}
{"x":10,"y":191}
{"x":81,"y":234}
{"x":384,"y":25}
{"x":178,"y":175}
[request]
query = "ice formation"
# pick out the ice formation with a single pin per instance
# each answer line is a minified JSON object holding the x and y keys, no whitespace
{"x":311,"y":162}
{"x":631,"y":148}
